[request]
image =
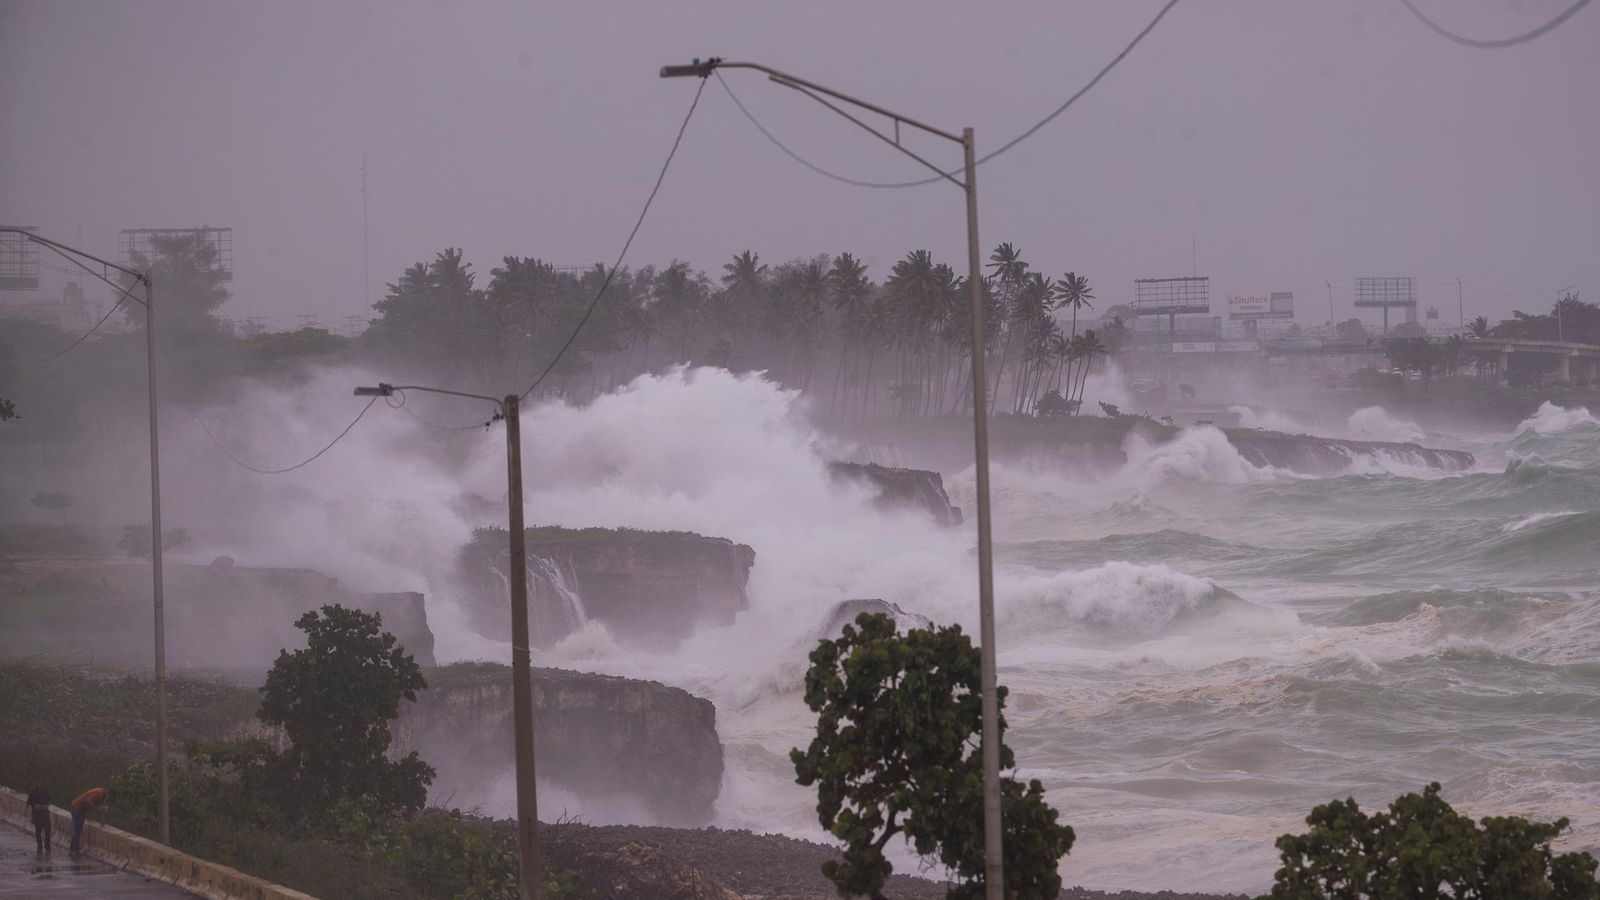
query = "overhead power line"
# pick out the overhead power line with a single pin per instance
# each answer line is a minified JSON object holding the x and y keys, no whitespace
{"x":305,"y":462}
{"x":1500,"y":43}
{"x":625,"y":245}
{"x":85,"y":336}
{"x":1030,"y":132}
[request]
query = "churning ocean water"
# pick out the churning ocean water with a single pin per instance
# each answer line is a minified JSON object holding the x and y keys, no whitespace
{"x":1197,"y":650}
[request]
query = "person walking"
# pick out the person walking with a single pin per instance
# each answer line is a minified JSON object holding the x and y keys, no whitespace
{"x":85,"y":803}
{"x":39,"y":812}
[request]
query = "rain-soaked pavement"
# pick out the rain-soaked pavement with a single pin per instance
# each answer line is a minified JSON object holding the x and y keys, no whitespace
{"x":24,"y":873}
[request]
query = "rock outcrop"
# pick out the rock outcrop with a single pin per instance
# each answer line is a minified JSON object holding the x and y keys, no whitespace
{"x":846,"y":611}
{"x":608,"y":740}
{"x":902,"y":488}
{"x":221,"y":617}
{"x":650,"y":588}
{"x":1087,"y":444}
{"x":1311,"y":455}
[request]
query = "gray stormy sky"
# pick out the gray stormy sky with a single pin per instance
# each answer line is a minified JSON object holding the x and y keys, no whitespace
{"x":1292,"y":141}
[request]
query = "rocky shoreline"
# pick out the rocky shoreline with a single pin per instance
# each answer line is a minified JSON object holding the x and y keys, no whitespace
{"x":631,"y":862}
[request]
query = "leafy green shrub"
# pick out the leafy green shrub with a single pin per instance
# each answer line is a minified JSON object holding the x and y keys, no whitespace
{"x":335,"y":699}
{"x":897,"y":752}
{"x":1423,"y":849}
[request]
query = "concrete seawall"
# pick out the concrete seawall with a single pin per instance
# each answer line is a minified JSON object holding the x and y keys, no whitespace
{"x":152,"y":860}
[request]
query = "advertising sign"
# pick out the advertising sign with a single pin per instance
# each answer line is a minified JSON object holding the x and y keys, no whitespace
{"x":1241,"y":306}
{"x":1283,"y":303}
{"x":1194,"y":347}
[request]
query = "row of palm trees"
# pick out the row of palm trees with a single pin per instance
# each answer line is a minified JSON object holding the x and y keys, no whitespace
{"x":857,"y":348}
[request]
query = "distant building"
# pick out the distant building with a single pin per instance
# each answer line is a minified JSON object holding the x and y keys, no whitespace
{"x":73,"y":312}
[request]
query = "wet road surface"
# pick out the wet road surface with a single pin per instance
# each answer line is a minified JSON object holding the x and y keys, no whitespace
{"x":24,"y":873}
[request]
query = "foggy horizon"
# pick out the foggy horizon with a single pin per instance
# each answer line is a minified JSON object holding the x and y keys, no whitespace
{"x":1273,"y":148}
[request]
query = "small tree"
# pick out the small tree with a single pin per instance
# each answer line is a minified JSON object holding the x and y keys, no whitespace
{"x":1421,"y":848}
{"x":335,"y":700}
{"x":136,"y":539}
{"x":897,"y":753}
{"x":53,"y":500}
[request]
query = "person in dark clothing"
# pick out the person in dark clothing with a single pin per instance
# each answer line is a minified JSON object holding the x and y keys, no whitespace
{"x":39,"y":812}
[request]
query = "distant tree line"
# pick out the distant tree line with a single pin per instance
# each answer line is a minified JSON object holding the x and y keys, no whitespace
{"x":821,"y":325}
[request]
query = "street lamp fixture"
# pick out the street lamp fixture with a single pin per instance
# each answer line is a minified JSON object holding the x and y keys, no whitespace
{"x":994,"y":884}
{"x":507,"y":408}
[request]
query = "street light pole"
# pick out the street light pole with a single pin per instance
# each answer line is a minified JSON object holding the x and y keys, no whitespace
{"x":993,"y":862}
{"x":77,"y":257}
{"x":529,"y":868}
{"x":993,"y":858}
{"x":163,"y":822}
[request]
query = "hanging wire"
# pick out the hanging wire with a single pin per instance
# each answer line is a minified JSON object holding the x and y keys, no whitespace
{"x":85,"y":336}
{"x":1500,"y":43}
{"x":625,"y":245}
{"x":305,"y":462}
{"x":1030,"y":132}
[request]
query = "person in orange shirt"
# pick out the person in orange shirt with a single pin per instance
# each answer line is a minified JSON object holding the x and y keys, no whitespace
{"x":85,"y":803}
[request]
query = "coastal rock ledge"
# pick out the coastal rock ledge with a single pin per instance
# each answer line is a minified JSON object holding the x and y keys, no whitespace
{"x":612,"y":742}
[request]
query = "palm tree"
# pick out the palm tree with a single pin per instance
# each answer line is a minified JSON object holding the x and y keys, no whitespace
{"x":1073,"y":290}
{"x":850,"y":292}
{"x":1480,"y":327}
{"x":1009,"y":271}
{"x":1090,"y":348}
{"x":745,"y":283}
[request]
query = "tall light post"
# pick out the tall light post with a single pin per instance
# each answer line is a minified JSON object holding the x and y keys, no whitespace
{"x":77,"y":257}
{"x":521,"y":663}
{"x":994,"y":876}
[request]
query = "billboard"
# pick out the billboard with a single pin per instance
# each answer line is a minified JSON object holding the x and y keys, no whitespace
{"x":1242,"y":306}
{"x":1170,"y":296}
{"x":1379,"y":293}
{"x":140,"y":245}
{"x":1277,"y":305}
{"x":19,"y":260}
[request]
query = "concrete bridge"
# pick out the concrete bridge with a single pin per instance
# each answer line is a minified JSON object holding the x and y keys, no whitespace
{"x":1570,"y":358}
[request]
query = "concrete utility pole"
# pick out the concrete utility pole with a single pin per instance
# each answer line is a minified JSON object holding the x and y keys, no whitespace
{"x":521,"y":664}
{"x":529,"y":867}
{"x":994,"y":875}
{"x":163,"y":818}
{"x":77,"y":257}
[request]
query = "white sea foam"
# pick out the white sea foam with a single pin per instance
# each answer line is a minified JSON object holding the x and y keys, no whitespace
{"x":1553,"y":419}
{"x":1374,"y":423}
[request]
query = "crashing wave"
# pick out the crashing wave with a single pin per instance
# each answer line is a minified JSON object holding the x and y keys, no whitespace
{"x":1553,"y":419}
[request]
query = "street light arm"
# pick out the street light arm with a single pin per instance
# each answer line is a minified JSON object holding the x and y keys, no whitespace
{"x":389,"y":390}
{"x":704,"y":69}
{"x":893,"y":142}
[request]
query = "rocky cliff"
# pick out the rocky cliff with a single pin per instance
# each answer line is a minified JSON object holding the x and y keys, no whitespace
{"x":1092,"y":443}
{"x":610,"y":741}
{"x":650,"y":588}
{"x":902,"y":488}
{"x":218,"y":616}
{"x":1325,"y":456}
